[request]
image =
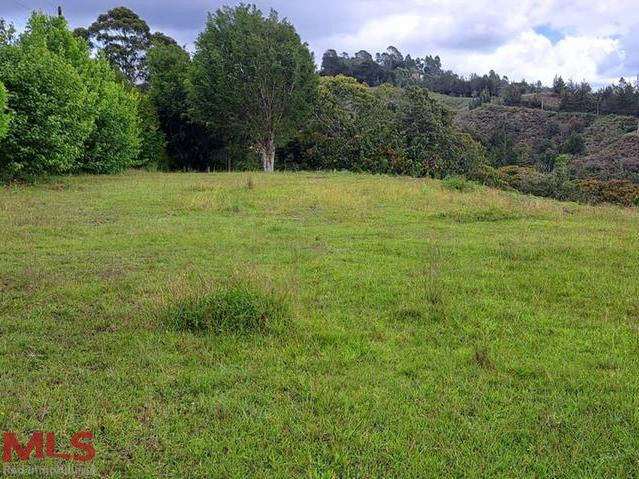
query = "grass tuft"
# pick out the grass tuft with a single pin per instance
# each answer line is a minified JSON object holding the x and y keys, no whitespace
{"x":237,"y":309}
{"x":409,"y":314}
{"x":459,"y":183}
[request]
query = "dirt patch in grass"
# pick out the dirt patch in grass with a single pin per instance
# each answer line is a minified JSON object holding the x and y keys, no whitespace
{"x":482,"y":358}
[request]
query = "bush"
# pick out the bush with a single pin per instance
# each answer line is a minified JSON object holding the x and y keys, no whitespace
{"x":489,"y":176}
{"x":114,"y":143}
{"x":52,"y":113}
{"x":514,"y":175}
{"x":538,"y":184}
{"x":621,"y":192}
{"x":240,"y":309}
{"x":386,"y":130}
{"x":431,"y":143}
{"x":71,"y":113}
{"x":153,"y":140}
{"x":574,"y":145}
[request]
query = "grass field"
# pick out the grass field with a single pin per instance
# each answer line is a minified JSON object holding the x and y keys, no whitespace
{"x":431,"y":332}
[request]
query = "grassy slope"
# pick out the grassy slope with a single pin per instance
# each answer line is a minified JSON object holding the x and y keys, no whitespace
{"x":456,"y":103}
{"x":435,"y":332}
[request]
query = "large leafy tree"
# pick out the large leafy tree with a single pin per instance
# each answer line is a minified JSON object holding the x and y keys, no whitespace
{"x":349,"y":128}
{"x":383,"y":130}
{"x":253,"y":77}
{"x":125,"y":39}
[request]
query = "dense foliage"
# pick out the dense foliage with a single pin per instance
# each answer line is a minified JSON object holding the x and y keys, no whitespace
{"x":52,"y":112}
{"x":386,"y":130}
{"x":114,"y":143}
{"x":189,"y":144}
{"x":152,"y":138}
{"x":70,"y":112}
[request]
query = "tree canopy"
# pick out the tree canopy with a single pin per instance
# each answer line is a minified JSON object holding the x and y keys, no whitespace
{"x":124,"y":37}
{"x":252,"y":78}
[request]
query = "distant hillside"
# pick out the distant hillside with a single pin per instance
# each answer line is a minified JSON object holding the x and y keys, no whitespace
{"x":611,"y":141}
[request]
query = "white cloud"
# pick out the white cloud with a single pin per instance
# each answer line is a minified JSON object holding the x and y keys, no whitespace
{"x":532,"y":56}
{"x":474,"y":36}
{"x":599,"y":42}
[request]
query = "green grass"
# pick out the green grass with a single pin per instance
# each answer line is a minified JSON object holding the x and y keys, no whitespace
{"x":430,"y":332}
{"x":455,"y":103}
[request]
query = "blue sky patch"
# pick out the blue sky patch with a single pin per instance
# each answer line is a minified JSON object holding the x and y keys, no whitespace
{"x":551,"y":34}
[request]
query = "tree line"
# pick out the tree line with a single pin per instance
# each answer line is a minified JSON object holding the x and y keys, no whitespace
{"x":393,"y":67}
{"x":115,"y":95}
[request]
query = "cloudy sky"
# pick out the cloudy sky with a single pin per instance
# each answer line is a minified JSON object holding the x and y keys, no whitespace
{"x":595,"y":40}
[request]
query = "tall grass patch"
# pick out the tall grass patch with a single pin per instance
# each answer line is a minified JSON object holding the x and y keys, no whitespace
{"x":239,"y":309}
{"x":459,"y":183}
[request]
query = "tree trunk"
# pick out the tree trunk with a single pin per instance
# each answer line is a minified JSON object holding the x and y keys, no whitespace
{"x":267,"y":151}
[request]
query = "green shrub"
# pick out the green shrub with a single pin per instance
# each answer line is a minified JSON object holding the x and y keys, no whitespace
{"x":489,"y":176}
{"x":114,"y":143}
{"x":574,"y":145}
{"x":538,"y":184}
{"x":385,"y":130}
{"x":153,"y":140}
{"x":52,"y":115}
{"x":458,"y":183}
{"x":240,"y":309}
{"x":70,"y":112}
{"x":515,"y":175}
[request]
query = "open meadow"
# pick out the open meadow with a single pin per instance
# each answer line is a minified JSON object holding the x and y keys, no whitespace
{"x":402,"y":327}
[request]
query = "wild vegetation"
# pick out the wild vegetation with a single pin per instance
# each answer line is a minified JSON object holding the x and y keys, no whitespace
{"x":68,"y":112}
{"x":577,"y":156}
{"x":376,"y":310}
{"x":393,"y":67}
{"x":386,"y":130}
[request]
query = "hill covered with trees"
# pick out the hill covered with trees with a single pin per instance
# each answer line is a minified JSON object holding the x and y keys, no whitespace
{"x":530,"y":146}
{"x":391,"y":66}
